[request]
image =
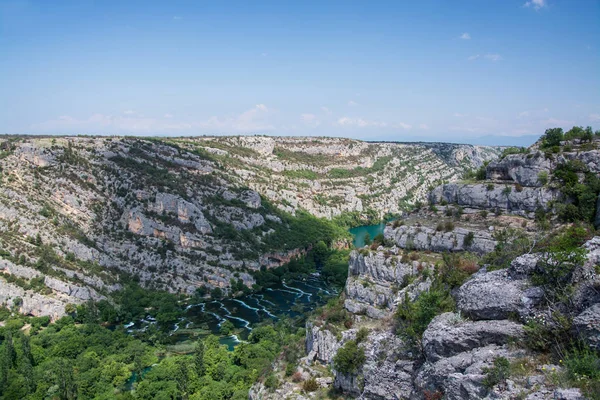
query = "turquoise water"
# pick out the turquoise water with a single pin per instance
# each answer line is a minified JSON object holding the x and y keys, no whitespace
{"x":292,"y":298}
{"x":360,"y":231}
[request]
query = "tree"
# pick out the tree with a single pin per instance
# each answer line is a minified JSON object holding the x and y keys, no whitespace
{"x":227,"y":328}
{"x":379,"y":239}
{"x":552,"y":137}
{"x":367,"y":239}
{"x":320,"y":253}
{"x":349,"y":358}
{"x":199,"y":358}
{"x":216,"y":293}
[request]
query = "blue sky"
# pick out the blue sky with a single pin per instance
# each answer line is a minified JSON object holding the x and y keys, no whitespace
{"x":377,"y":70}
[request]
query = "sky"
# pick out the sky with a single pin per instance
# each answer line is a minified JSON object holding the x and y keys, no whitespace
{"x":472,"y":71}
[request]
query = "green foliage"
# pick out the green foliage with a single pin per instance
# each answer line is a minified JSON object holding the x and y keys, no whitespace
{"x":469,"y":239}
{"x":543,"y":177}
{"x":362,"y":335}
{"x":478,"y":174}
{"x":310,"y":385}
{"x":552,"y":137}
{"x":414,"y":317}
{"x":582,"y":194}
{"x":510,"y":243}
{"x":583,"y":370}
{"x":349,"y":358}
{"x":513,"y":150}
{"x":498,"y":373}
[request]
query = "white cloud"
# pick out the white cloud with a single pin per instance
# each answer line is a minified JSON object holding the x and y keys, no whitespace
{"x":359,"y":122}
{"x":128,"y":112}
{"x":535,"y":4}
{"x":256,"y":119}
{"x":310,"y":120}
{"x":524,"y":114}
{"x":264,"y":54}
{"x":177,"y":18}
{"x":594,"y":117}
{"x":459,"y":115}
{"x":555,"y":121}
{"x":465,"y":36}
{"x":403,"y":125}
{"x":424,"y":127}
{"x":493,"y":57}
{"x":352,"y":103}
{"x":326,"y":110}
{"x":489,"y":56}
{"x":168,"y":116}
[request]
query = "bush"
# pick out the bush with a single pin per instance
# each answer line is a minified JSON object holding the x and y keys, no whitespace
{"x":583,"y":370}
{"x":543,"y":177}
{"x":310,"y":385}
{"x":552,"y":137}
{"x":272,"y":382}
{"x":362,"y":334}
{"x":489,"y":187}
{"x":414,"y":317}
{"x":449,"y":226}
{"x":469,"y":239}
{"x":498,"y":373}
{"x":349,"y":358}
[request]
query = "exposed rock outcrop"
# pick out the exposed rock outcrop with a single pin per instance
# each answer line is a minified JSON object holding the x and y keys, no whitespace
{"x":429,"y":239}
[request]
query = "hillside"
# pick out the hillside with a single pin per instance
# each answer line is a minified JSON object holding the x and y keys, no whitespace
{"x":490,"y":292}
{"x":81,"y":215}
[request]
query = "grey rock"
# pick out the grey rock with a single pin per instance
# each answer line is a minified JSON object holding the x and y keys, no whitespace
{"x":429,"y":239}
{"x":477,"y":195}
{"x":587,"y":324}
{"x":520,"y":168}
{"x":523,"y":266}
{"x":448,"y":334}
{"x":321,"y":344}
{"x":568,"y":394}
{"x":494,"y":295}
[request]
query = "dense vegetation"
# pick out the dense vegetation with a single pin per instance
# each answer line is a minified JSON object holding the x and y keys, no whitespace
{"x":68,"y":360}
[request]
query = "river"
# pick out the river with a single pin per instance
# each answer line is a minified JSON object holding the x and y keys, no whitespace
{"x":360,"y":232}
{"x":291,"y":298}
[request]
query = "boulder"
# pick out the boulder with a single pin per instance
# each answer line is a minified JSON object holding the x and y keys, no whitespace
{"x":494,"y":295}
{"x":587,"y":324}
{"x":448,"y":334}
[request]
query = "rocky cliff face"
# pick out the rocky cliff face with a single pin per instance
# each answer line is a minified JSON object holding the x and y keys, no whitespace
{"x":183,"y":213}
{"x":521,"y":183}
{"x":457,"y":349}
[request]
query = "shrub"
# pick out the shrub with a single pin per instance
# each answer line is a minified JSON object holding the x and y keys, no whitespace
{"x":310,"y":385}
{"x":543,"y":177}
{"x":362,"y":334}
{"x":498,"y":373}
{"x":519,"y":187}
{"x":439,"y":227}
{"x":449,"y":226}
{"x":414,"y":317}
{"x":272,"y":382}
{"x":489,"y":187}
{"x":297,"y":377}
{"x":468,"y":240}
{"x":483,"y":214}
{"x":349,"y":358}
